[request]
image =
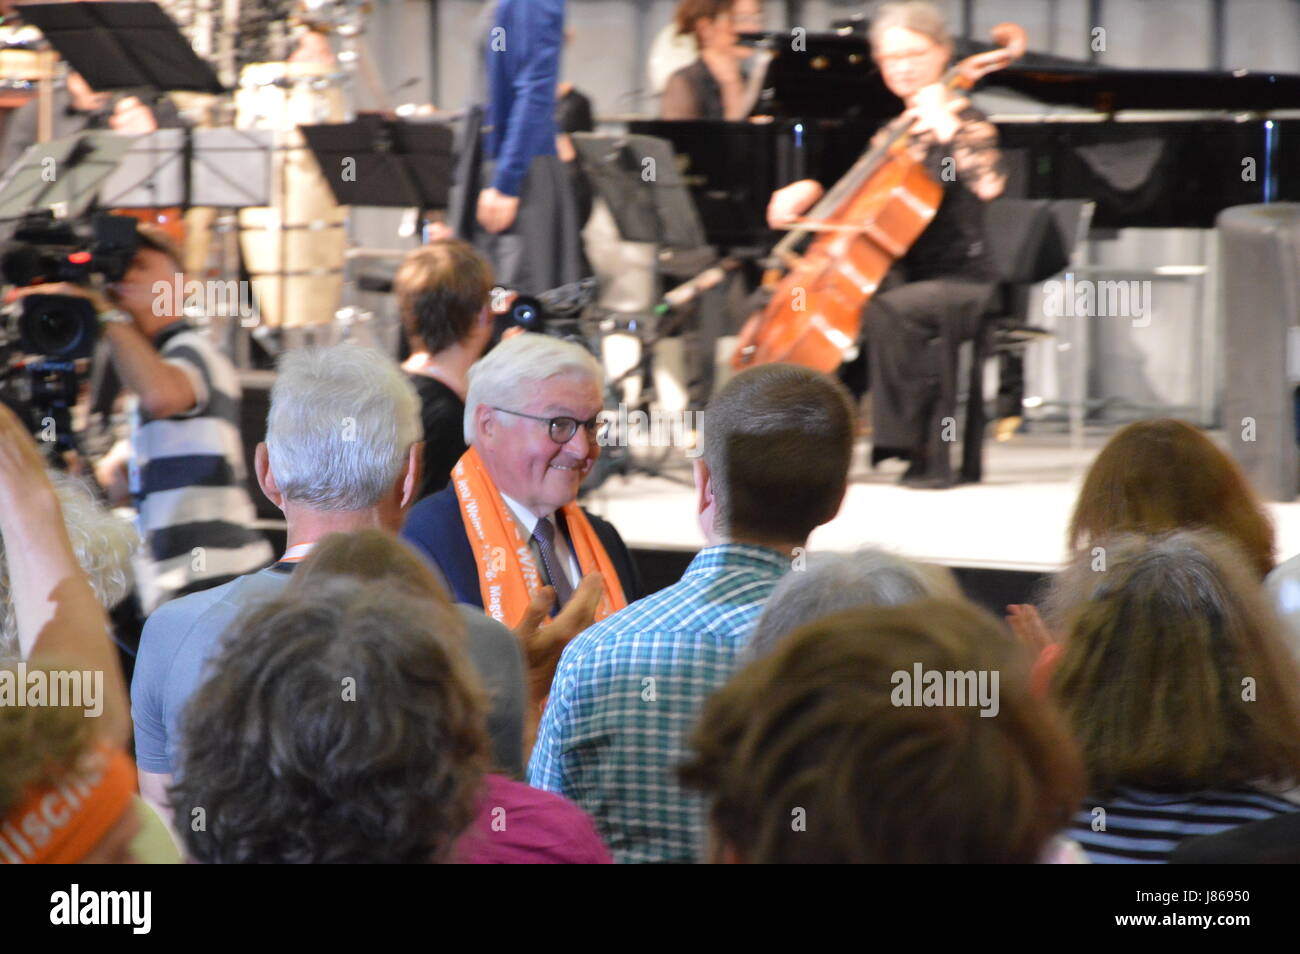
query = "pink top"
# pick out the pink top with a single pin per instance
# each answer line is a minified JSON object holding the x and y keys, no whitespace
{"x":521,"y":825}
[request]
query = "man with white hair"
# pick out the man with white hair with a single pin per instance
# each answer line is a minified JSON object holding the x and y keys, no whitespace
{"x":342,"y":453}
{"x":508,"y":524}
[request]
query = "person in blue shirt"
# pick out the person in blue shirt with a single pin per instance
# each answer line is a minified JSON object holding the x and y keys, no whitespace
{"x":526,"y":219}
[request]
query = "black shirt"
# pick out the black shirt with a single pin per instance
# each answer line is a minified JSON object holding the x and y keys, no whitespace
{"x":693,"y":93}
{"x":953,"y":244}
{"x":443,"y":414}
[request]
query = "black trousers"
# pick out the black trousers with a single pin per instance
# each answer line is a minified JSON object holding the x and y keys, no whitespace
{"x":543,"y":248}
{"x":912,"y":332}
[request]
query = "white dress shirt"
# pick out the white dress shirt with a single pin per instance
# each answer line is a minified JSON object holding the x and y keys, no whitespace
{"x":528,"y":523}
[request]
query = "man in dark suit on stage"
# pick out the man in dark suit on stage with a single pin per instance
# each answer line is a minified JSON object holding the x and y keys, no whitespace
{"x":508,"y":523}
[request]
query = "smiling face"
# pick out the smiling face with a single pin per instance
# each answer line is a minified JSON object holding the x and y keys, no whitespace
{"x":909,"y":61}
{"x":520,"y":456}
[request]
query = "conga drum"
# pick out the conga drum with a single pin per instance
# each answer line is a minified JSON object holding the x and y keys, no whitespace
{"x":294,"y":248}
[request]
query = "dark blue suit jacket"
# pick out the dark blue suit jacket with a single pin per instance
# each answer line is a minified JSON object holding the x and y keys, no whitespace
{"x":523,"y":65}
{"x":435,"y":528}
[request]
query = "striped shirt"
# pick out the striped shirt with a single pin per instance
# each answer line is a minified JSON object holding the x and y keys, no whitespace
{"x":1143,"y":827}
{"x":187,"y":477}
{"x":627,"y":693}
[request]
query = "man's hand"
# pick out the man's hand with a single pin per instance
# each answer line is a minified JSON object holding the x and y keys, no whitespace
{"x":496,"y":210}
{"x":95,"y":297}
{"x":543,"y":641}
{"x":132,"y":117}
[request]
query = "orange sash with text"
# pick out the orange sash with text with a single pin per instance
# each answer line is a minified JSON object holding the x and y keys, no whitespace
{"x":507,"y":571}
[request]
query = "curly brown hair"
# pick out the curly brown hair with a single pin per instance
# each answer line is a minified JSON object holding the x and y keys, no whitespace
{"x":338,"y":725}
{"x":1162,"y":475}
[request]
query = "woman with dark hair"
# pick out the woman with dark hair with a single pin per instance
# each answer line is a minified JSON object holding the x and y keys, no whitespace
{"x":1177,"y":684}
{"x":713,"y":87}
{"x":443,"y":291}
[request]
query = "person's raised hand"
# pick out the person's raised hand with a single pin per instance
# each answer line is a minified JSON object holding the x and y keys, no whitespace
{"x":23,"y":478}
{"x":1028,"y":625}
{"x":544,"y":640}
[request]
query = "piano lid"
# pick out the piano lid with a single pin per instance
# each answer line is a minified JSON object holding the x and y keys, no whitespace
{"x":833,"y":75}
{"x":1108,"y":90}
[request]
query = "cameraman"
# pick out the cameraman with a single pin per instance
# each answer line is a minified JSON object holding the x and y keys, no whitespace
{"x":184,"y":455}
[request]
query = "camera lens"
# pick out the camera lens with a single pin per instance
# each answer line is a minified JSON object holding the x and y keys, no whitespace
{"x":58,"y":326}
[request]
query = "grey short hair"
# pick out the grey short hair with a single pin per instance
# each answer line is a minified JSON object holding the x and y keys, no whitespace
{"x":919,"y":16}
{"x":102,"y":542}
{"x":508,"y":373}
{"x":831,"y":582}
{"x":341,"y":425}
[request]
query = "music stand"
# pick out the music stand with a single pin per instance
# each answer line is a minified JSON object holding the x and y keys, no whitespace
{"x":384,"y":162}
{"x":151,"y":174}
{"x":649,"y":200}
{"x":79,"y":164}
{"x":231,"y":168}
{"x":123,"y":45}
{"x":654,"y":208}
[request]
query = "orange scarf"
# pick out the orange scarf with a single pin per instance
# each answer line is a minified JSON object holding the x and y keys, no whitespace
{"x":507,"y":571}
{"x":63,"y":823}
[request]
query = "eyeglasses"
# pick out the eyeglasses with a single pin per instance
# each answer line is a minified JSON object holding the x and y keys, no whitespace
{"x":562,"y":429}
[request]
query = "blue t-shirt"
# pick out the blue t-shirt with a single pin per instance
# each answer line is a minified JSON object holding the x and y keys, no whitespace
{"x":182,"y":635}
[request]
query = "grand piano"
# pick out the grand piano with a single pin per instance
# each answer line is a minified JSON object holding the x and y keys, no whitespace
{"x":1152,"y":148}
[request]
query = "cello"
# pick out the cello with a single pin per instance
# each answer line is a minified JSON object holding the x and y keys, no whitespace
{"x":867,"y":221}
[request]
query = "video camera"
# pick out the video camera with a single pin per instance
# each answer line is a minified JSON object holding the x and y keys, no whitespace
{"x":43,"y":336}
{"x":555,"y":312}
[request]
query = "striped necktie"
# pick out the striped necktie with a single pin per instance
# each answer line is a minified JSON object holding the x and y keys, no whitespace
{"x":544,"y":534}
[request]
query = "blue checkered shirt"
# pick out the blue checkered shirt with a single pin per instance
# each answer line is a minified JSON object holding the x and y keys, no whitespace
{"x":627,"y":693}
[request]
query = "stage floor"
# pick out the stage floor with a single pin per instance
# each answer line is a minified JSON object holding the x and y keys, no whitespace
{"x":1015,"y":520}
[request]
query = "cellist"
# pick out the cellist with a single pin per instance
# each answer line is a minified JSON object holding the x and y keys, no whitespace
{"x":935,"y":296}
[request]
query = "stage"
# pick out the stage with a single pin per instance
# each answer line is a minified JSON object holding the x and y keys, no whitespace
{"x":1002,"y":536}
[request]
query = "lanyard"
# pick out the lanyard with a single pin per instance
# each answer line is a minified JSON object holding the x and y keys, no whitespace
{"x":292,"y":556}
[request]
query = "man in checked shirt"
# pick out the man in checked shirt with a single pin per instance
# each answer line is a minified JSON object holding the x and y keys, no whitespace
{"x":777,"y":445}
